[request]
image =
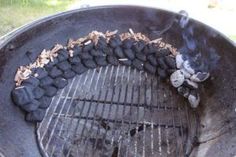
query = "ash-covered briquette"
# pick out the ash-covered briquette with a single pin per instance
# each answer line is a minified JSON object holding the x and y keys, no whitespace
{"x":42,"y":82}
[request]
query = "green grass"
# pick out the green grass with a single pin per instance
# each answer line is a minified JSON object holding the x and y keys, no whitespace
{"x":15,"y":13}
{"x":233,"y":37}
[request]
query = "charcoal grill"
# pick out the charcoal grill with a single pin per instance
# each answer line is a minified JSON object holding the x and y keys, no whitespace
{"x":117,"y":110}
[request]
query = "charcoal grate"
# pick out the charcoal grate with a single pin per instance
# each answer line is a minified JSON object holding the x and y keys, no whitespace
{"x":115,"y":111}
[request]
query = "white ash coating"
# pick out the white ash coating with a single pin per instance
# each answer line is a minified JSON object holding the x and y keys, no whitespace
{"x":177,"y":78}
{"x":188,"y":67}
{"x":200,"y":76}
{"x":179,"y":60}
{"x":194,"y":100}
{"x":191,"y":83}
{"x":185,"y":73}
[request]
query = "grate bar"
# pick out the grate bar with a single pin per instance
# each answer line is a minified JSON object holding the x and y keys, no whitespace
{"x":110,"y":107}
{"x":144,"y":105}
{"x":115,"y":111}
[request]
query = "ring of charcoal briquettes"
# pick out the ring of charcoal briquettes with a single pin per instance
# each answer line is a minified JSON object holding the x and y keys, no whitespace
{"x":38,"y":82}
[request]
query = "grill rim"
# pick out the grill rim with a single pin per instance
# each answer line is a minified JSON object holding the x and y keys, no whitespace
{"x":227,"y":44}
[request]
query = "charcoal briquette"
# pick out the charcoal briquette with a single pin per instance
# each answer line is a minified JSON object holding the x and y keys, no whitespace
{"x":119,"y":52}
{"x":194,"y":98}
{"x":108,"y":51}
{"x":35,"y":116}
{"x":50,"y":91}
{"x":62,"y":55}
{"x":79,"y":68}
{"x":125,"y":61}
{"x":22,"y":95}
{"x":55,"y":72}
{"x":60,"y":82}
{"x":128,"y":43}
{"x":45,"y":101}
{"x":88,"y":47}
{"x":68,"y":74}
{"x":129,"y":54}
{"x":190,"y":84}
{"x":41,"y":73}
{"x":74,"y":60}
{"x":141,"y":56}
{"x":177,"y":78}
{"x":86,"y":55}
{"x":170,"y":62}
{"x":136,"y":63}
{"x":179,"y":59}
{"x":38,"y":92}
{"x":96,"y":53}
{"x":150,"y":68}
{"x":89,"y":63}
{"x":101,"y":44}
{"x":152,"y":59}
{"x":150,"y":49}
{"x":46,"y":81}
{"x":51,"y":64}
{"x":65,"y":65}
{"x":112,"y":60}
{"x":32,"y":81}
{"x":162,"y":63}
{"x":200,"y":76}
{"x":162,"y":73}
{"x":115,"y":41}
{"x":187,"y":66}
{"x":77,"y":50}
{"x":138,"y":46}
{"x":162,"y":53}
{"x":185,"y":73}
{"x":32,"y":106}
{"x":101,"y":61}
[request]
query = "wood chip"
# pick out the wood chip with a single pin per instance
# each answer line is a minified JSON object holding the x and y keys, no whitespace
{"x":46,"y":56}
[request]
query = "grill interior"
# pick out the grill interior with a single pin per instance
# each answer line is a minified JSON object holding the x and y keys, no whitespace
{"x":117,"y":111}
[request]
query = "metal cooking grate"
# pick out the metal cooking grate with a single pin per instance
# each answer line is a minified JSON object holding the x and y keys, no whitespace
{"x":115,"y":111}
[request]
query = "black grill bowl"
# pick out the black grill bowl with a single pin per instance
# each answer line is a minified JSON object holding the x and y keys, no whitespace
{"x":212,"y":127}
